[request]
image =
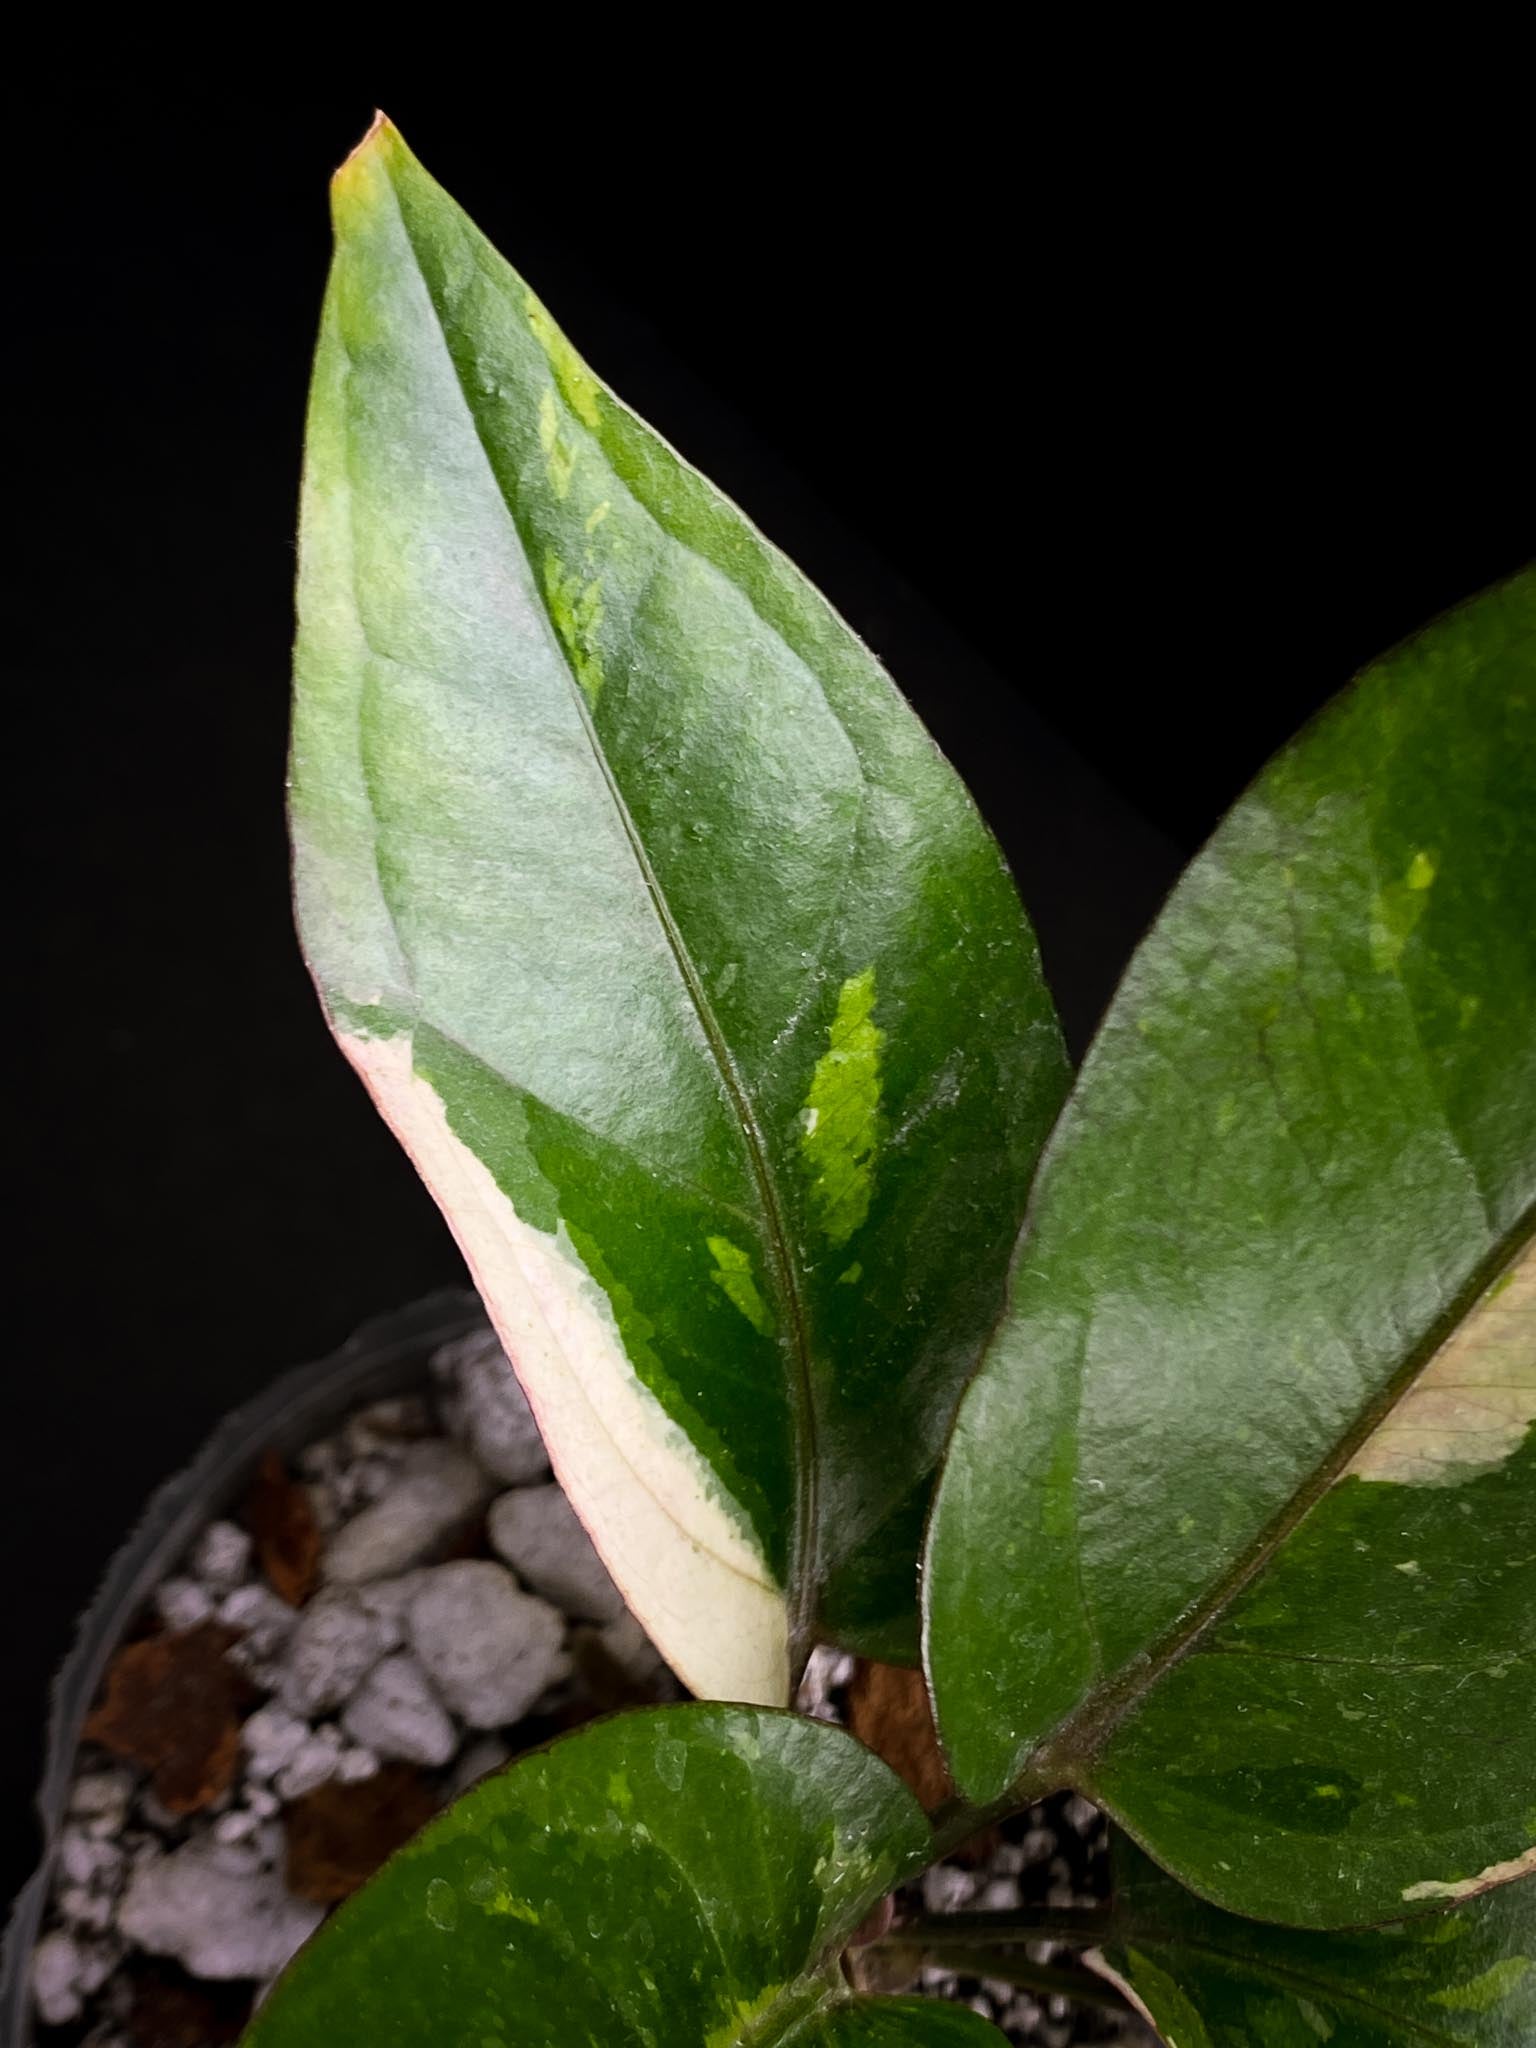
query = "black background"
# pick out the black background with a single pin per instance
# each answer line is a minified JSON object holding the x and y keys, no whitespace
{"x":1124,"y":455}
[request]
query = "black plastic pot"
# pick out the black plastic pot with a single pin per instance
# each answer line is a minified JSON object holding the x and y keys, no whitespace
{"x":385,"y":1357}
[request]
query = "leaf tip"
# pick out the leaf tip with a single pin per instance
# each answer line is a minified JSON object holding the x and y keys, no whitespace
{"x":380,"y":130}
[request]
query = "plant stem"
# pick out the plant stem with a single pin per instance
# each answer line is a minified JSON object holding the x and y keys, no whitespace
{"x":956,"y":1820}
{"x":1004,"y":1930}
{"x":1007,"y":1967}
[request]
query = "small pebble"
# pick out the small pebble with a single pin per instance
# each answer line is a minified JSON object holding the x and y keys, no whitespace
{"x":488,"y":1649}
{"x":356,"y":1764}
{"x":156,"y":1814}
{"x":945,"y":1888}
{"x":540,"y":1535}
{"x":56,"y":1971}
{"x":218,"y":1909}
{"x":387,"y":1602}
{"x":826,"y":1672}
{"x":182,"y":1603}
{"x":89,"y":1859}
{"x":494,"y":1415}
{"x":325,"y":1505}
{"x":221,"y":1556}
{"x":270,"y":1737}
{"x":265,"y":1621}
{"x":366,"y":1482}
{"x":395,"y":1713}
{"x":312,"y":1764}
{"x":237,"y":1826}
{"x":320,"y":1460}
{"x":98,"y":1959}
{"x":84,"y":1908}
{"x":1081,"y":1814}
{"x":102,"y":1800}
{"x":332,"y":1650}
{"x":437,"y":1491}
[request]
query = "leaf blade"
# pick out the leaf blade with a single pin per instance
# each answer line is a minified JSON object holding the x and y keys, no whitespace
{"x":1303,"y":1145}
{"x":1204,"y":1976}
{"x":679,"y":1874}
{"x":600,"y":809}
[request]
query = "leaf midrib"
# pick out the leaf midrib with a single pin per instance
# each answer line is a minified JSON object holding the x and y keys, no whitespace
{"x":1068,"y":1753}
{"x":801,"y":1570}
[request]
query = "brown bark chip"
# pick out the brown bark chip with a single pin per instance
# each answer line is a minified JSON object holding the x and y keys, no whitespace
{"x":171,"y":1704}
{"x":338,"y":1835}
{"x":281,"y":1519}
{"x":167,"y":2013}
{"x":888,"y":1710}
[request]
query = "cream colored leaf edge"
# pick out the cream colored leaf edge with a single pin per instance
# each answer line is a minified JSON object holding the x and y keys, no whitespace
{"x":1095,"y":1960}
{"x":1471,"y":1406}
{"x":694,"y":1580}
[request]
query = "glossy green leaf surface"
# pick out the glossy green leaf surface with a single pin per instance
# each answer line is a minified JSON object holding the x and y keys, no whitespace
{"x":663,"y":937}
{"x":1208,"y":1979}
{"x":1238,"y":1530}
{"x":680,"y":1878}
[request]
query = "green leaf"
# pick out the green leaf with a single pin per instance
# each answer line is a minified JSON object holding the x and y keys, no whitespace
{"x":670,"y":947}
{"x":1208,"y":1979}
{"x":687,"y":1875}
{"x":1238,"y":1530}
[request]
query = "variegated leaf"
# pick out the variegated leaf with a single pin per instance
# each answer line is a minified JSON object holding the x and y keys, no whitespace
{"x":1238,"y":1531}
{"x":685,"y":1877}
{"x":673,"y":952}
{"x":1465,"y":1978}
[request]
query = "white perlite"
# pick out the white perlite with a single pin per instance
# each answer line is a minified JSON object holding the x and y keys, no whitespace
{"x":388,"y":1601}
{"x":182,"y":1604}
{"x":221,"y":1557}
{"x":436,"y":1490}
{"x":540,"y":1535}
{"x":67,"y":1971}
{"x":101,"y":1799}
{"x":89,"y":1859}
{"x":265,"y":1621}
{"x":270,"y":1737}
{"x":489,"y":1650}
{"x":395,"y":1713}
{"x":219,"y":1909}
{"x":334,"y":1647}
{"x":312,"y":1764}
{"x":827,"y":1672}
{"x":494,"y":1415}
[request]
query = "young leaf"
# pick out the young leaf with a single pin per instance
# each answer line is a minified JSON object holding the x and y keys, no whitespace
{"x":1208,"y":1979}
{"x":682,"y":1875}
{"x":1237,"y":1529}
{"x":665,"y":940}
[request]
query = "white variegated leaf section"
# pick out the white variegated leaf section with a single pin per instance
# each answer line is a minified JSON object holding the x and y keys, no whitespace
{"x":692,"y":1576}
{"x":1470,"y":1408}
